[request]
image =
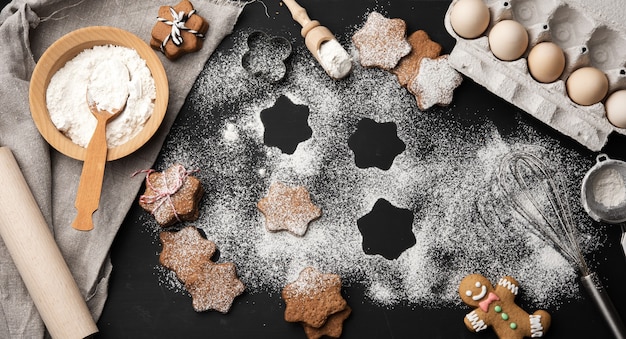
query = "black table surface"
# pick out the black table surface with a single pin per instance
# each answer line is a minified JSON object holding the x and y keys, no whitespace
{"x":139,"y":307}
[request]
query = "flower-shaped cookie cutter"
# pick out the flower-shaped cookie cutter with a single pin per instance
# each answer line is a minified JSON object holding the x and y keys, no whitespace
{"x":266,"y":56}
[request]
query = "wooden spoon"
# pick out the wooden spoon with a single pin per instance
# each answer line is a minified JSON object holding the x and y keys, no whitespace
{"x":107,"y":93}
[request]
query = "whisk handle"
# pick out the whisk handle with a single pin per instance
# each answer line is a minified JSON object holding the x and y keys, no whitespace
{"x":601,"y":299}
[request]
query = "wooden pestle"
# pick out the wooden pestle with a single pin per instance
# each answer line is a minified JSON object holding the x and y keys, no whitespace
{"x":313,"y":32}
{"x":38,"y":258}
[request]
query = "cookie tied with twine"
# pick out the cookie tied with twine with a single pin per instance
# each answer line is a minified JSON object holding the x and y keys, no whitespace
{"x":171,"y":196}
{"x":179,"y":30}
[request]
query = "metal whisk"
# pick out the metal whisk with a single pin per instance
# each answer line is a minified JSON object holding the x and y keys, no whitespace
{"x":535,"y":194}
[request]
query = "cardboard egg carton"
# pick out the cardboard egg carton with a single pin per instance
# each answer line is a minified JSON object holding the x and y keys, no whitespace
{"x":586,"y":40}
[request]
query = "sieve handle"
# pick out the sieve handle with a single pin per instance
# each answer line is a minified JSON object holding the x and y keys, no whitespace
{"x":623,"y":239}
{"x":601,"y":299}
{"x":602,"y":157}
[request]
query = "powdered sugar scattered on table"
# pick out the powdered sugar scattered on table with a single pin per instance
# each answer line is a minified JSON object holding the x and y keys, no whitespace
{"x":446,"y":177}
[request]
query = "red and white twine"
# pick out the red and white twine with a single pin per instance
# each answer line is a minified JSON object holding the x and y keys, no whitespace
{"x":164,"y":194}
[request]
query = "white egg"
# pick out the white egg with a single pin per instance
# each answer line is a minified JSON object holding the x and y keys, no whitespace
{"x":546,"y":62}
{"x":587,"y":86}
{"x":508,"y":40}
{"x":469,"y":18}
{"x":615,"y":106}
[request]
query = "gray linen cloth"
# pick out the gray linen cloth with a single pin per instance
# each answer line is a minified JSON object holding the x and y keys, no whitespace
{"x":27,"y":28}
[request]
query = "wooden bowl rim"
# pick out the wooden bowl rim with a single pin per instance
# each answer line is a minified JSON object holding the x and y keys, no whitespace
{"x":66,"y":48}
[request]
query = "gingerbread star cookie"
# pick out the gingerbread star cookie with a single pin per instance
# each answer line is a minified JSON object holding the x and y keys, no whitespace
{"x":172,"y":196}
{"x":435,"y":83}
{"x":381,"y":42}
{"x":421,"y":47}
{"x":179,"y":30}
{"x":215,"y":287}
{"x":313,"y":298}
{"x":288,"y":208}
{"x":184,"y":251}
{"x":332,"y":328}
{"x":188,"y":254}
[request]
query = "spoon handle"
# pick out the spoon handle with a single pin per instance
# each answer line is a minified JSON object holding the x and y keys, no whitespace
{"x":90,"y":185}
{"x":298,"y":13}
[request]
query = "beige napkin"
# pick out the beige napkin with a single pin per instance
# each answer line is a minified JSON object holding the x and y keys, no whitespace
{"x":27,"y":28}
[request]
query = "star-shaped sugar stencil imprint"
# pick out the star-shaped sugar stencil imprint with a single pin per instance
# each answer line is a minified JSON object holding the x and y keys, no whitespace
{"x":286,"y":125}
{"x":375,"y":144}
{"x":387,"y":230}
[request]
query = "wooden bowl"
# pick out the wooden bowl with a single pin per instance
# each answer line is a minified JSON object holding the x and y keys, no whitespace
{"x":66,"y":48}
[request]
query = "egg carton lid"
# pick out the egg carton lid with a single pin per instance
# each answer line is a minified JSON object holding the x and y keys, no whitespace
{"x":511,"y":80}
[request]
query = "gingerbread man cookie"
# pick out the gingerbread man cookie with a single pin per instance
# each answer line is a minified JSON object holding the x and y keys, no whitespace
{"x":496,"y":307}
{"x":179,"y":30}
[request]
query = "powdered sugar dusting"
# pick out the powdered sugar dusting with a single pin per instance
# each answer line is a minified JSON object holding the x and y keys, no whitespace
{"x":288,"y":208}
{"x":185,"y":251}
{"x":435,"y":83}
{"x":446,"y":176}
{"x":311,"y":282}
{"x":381,"y":42}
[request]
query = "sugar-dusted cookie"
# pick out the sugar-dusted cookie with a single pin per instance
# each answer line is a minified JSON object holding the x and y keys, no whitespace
{"x":332,"y":328}
{"x":288,"y":208}
{"x":172,"y":196}
{"x":185,"y":251}
{"x":421,"y":47}
{"x":214,"y":287}
{"x":435,"y":82}
{"x":381,"y":42}
{"x":496,"y":307}
{"x":188,"y":254}
{"x":313,"y":297}
{"x":179,"y":30}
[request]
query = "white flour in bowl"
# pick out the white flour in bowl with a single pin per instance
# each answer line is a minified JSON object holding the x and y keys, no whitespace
{"x":67,"y":102}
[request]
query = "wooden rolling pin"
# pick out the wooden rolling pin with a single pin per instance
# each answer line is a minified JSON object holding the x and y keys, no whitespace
{"x":338,"y":64}
{"x":38,"y":258}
